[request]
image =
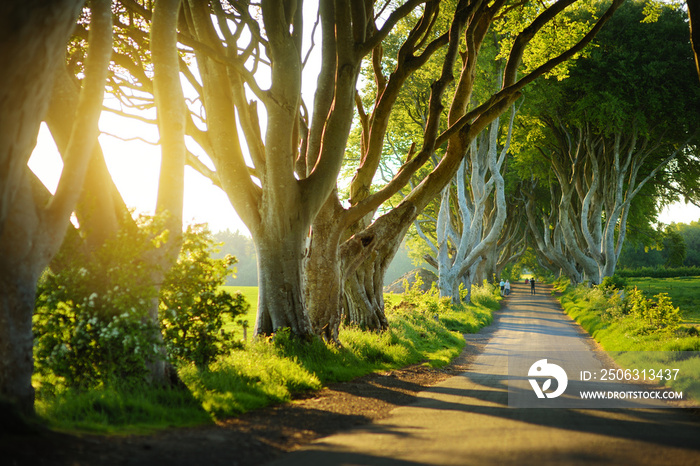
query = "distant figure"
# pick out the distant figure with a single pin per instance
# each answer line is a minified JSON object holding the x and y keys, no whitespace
{"x":507,"y":287}
{"x":532,"y":286}
{"x":527,"y":281}
{"x":503,"y":286}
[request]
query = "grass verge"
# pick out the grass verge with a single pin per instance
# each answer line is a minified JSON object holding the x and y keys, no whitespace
{"x":604,"y":317}
{"x":422,"y":329}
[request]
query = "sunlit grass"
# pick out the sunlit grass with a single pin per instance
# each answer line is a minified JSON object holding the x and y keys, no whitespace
{"x":623,"y":335}
{"x":111,"y":410}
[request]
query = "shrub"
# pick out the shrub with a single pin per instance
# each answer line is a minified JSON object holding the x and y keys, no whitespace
{"x":90,"y":321}
{"x":193,"y":310}
{"x":653,"y":315}
{"x":92,"y":325}
{"x":613,"y":283}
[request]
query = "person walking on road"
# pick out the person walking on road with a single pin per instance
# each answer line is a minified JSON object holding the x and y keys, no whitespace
{"x":532,"y":286}
{"x":503,"y":286}
{"x":507,"y":287}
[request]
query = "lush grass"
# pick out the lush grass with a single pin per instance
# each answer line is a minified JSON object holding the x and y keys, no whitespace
{"x":120,"y":410}
{"x":422,"y":329}
{"x":619,"y":332}
{"x":684,"y":292}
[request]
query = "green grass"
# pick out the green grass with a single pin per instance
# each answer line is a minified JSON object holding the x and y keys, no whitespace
{"x":123,"y":410}
{"x":623,"y":333}
{"x":422,"y":329}
{"x":684,"y":292}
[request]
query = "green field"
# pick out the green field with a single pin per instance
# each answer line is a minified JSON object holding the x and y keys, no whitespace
{"x":251,"y":296}
{"x":684,"y":292}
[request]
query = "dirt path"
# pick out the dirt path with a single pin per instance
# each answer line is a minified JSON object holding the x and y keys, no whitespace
{"x":466,"y":418}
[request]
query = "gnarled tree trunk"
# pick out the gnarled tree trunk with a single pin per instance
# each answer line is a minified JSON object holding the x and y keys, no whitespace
{"x":280,"y":302}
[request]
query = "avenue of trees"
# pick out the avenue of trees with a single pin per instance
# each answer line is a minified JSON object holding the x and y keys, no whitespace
{"x":417,"y":108}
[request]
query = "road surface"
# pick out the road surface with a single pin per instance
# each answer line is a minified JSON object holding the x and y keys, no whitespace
{"x":466,"y":419}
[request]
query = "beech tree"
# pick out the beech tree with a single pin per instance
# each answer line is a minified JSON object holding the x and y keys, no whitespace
{"x":294,"y":161}
{"x":33,"y":37}
{"x":463,"y":237}
{"x":101,"y":212}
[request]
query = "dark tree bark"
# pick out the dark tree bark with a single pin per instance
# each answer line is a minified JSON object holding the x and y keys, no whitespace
{"x":694,"y":20}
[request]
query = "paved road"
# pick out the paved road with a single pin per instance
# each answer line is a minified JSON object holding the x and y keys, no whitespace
{"x":466,"y":419}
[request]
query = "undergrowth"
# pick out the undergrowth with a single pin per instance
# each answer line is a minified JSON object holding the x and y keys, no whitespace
{"x":422,"y":329}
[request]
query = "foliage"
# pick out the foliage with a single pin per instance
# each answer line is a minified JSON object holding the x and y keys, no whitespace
{"x":637,"y":80}
{"x":691,"y":237}
{"x":430,"y":304}
{"x":193,"y":308}
{"x":90,"y":322}
{"x":684,"y":292}
{"x":612,"y":322}
{"x":675,"y":245}
{"x":629,"y":321}
{"x":92,"y":325}
{"x":653,"y":316}
{"x":614,"y":282}
{"x":549,"y":41}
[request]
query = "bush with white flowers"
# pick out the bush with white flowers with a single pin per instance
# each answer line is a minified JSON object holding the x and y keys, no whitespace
{"x":90,"y":321}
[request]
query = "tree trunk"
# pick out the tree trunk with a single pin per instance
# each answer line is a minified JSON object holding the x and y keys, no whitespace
{"x":323,"y":275}
{"x":364,"y":297}
{"x":364,"y":284}
{"x":280,"y":302}
{"x":17,"y":295}
{"x":100,"y":209}
{"x":31,"y":231}
{"x":448,"y":283}
{"x":169,"y":99}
